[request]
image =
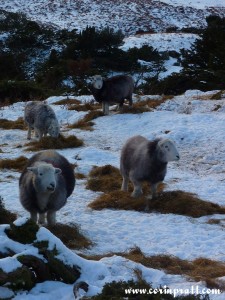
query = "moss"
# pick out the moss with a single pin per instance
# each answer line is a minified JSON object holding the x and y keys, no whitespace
{"x":60,"y":271}
{"x":49,"y":142}
{"x":16,"y":164}
{"x":6,"y":216}
{"x":116,"y":291}
{"x":25,"y":233}
{"x":19,"y":279}
{"x":7,"y":124}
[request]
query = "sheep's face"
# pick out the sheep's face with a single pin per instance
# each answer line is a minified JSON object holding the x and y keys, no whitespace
{"x":168,"y":151}
{"x":53,"y":129}
{"x":97,"y":81}
{"x":45,"y":178}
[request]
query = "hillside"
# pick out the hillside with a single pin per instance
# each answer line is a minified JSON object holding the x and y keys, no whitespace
{"x":130,"y":16}
{"x":176,"y":234}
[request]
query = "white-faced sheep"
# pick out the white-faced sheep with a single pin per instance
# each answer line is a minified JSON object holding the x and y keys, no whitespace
{"x":112,"y":90}
{"x":41,"y":117}
{"x":45,"y":184}
{"x":143,"y":160}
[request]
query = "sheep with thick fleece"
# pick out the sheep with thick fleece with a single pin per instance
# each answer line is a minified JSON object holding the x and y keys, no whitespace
{"x":144,"y":160}
{"x":45,"y":184}
{"x":42,"y":118}
{"x":112,"y":90}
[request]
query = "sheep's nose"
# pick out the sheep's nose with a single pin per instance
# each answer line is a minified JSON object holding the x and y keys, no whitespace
{"x":178,"y":157}
{"x":51,"y":186}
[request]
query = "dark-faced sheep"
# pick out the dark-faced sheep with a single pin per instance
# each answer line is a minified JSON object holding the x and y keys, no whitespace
{"x":41,"y":117}
{"x":45,"y":184}
{"x":112,"y":90}
{"x":143,"y":160}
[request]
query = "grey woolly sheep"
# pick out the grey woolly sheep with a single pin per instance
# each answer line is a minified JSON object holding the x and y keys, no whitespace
{"x":41,"y":117}
{"x":144,"y":160}
{"x":112,"y":90}
{"x":45,"y":184}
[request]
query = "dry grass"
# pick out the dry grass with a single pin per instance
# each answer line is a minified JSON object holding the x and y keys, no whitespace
{"x":104,"y":179}
{"x":15,"y":164}
{"x":80,"y":176}
{"x":175,"y":202}
{"x":85,"y":107}
{"x":71,"y":236}
{"x":67,"y":102}
{"x":200,"y":269}
{"x":85,"y":123}
{"x":7,"y":124}
{"x":49,"y":142}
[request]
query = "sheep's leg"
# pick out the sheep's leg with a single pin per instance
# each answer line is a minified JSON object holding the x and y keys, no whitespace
{"x":29,"y":132}
{"x":151,"y":196}
{"x":121,"y":107}
{"x":38,"y":133}
{"x":105,"y":108}
{"x":130,"y":102}
{"x":41,"y":219}
{"x":51,"y":218}
{"x":33,"y":216}
{"x":137,"y":189}
{"x":124,"y":186}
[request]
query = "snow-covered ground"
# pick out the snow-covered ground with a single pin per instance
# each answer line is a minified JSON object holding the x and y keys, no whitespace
{"x":196,"y":124}
{"x":195,"y":3}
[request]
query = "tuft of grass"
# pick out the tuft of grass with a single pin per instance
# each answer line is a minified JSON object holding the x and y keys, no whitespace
{"x":85,"y":123}
{"x":7,"y":124}
{"x":104,"y":179}
{"x":107,"y":179}
{"x":175,"y":202}
{"x":200,"y":269}
{"x":71,"y":236}
{"x":80,"y":176}
{"x":67,"y":102}
{"x":6,"y":216}
{"x":49,"y":142}
{"x":16,"y":164}
{"x":85,"y":107}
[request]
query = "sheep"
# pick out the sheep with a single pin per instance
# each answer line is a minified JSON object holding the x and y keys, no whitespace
{"x":45,"y":184}
{"x":144,"y":160}
{"x":40,"y":117}
{"x":112,"y":90}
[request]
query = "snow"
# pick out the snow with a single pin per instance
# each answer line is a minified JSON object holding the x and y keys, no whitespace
{"x":195,"y":3}
{"x":161,"y":41}
{"x":196,"y":123}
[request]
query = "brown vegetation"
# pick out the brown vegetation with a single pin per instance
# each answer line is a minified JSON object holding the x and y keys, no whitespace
{"x":15,"y":164}
{"x":6,"y":216}
{"x":70,"y":235}
{"x":85,"y":123}
{"x":67,"y":102}
{"x":200,"y":269}
{"x":175,"y":202}
{"x":85,"y":107}
{"x":7,"y":124}
{"x":49,"y":142}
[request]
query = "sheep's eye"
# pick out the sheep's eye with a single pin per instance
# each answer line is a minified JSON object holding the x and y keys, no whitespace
{"x":40,"y":174}
{"x":166,"y":147}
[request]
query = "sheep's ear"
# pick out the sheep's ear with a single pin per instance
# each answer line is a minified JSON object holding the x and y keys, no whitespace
{"x":58,"y":171}
{"x":33,"y":169}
